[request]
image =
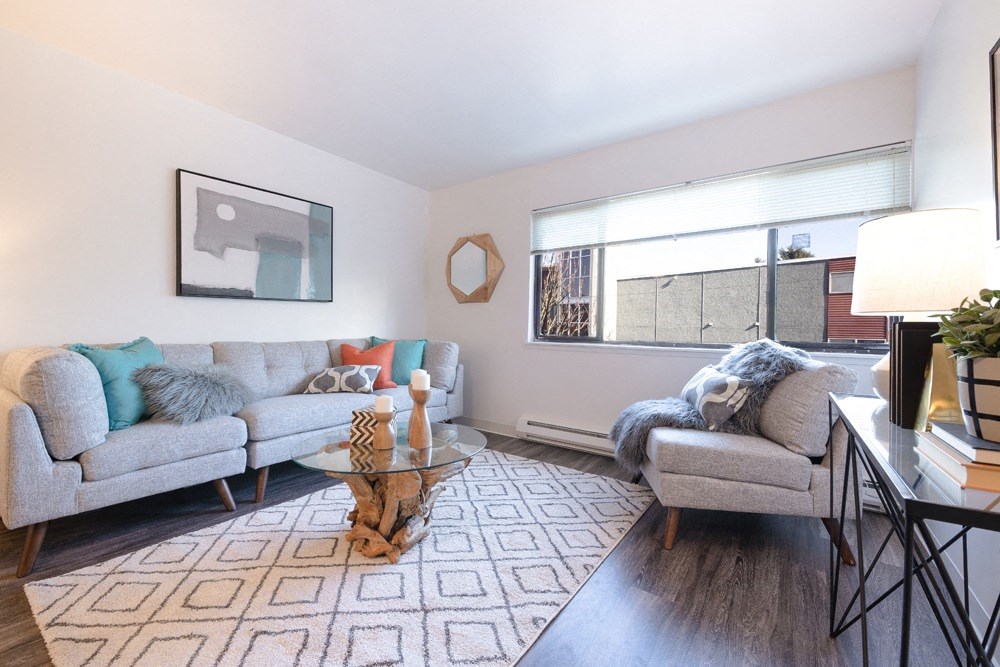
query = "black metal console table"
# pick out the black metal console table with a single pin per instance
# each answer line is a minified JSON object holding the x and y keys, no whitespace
{"x":910,"y":498}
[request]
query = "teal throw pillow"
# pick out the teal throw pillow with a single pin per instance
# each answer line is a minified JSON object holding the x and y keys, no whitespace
{"x":123,"y":394}
{"x":406,"y":358}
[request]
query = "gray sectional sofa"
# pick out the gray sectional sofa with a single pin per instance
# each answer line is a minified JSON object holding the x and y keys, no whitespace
{"x":58,"y":458}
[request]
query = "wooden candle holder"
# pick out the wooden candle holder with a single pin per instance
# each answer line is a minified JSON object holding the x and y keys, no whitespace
{"x":385,"y":430}
{"x":420,"y":425}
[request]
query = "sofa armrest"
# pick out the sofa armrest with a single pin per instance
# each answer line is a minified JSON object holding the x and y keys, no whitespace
{"x":33,"y":487}
{"x":456,"y":397}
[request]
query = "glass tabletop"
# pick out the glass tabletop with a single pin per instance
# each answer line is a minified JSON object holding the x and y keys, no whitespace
{"x":331,"y":452}
{"x":895,"y":453}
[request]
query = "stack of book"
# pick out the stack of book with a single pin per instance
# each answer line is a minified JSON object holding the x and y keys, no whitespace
{"x":965,"y":460}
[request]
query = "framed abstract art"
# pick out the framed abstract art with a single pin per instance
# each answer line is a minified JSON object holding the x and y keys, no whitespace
{"x":241,"y":242}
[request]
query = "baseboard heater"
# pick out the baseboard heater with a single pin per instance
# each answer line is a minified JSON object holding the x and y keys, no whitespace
{"x":564,"y":436}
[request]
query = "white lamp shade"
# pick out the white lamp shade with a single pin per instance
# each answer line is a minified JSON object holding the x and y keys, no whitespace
{"x":920,"y":262}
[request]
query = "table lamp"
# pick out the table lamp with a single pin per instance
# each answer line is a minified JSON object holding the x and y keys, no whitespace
{"x":917,"y":264}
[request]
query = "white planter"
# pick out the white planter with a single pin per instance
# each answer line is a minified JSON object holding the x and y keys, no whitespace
{"x":979,"y":396}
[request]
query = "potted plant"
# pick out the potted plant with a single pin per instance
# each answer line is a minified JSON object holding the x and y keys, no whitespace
{"x":972,"y":333}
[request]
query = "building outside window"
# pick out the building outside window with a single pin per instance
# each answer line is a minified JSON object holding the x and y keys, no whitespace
{"x":764,"y":254}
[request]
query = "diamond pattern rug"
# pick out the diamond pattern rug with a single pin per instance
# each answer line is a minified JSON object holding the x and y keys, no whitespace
{"x":512,"y":540}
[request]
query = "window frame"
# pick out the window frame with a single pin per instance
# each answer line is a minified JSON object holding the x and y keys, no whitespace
{"x":770,"y":325}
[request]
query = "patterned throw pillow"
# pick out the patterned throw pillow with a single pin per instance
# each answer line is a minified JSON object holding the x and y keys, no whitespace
{"x":352,"y":379}
{"x":716,"y":395}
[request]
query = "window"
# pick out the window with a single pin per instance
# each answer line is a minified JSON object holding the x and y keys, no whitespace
{"x":841,"y":282}
{"x":726,"y":260}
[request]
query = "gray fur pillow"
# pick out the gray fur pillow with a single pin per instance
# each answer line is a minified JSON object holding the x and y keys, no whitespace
{"x":188,"y":395}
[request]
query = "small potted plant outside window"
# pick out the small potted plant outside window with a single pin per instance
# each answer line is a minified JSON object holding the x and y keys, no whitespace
{"x":972,"y":333}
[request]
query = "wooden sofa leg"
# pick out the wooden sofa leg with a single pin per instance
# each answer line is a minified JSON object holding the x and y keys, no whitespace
{"x":833,"y":527}
{"x":32,"y":544}
{"x":225,"y":494}
{"x":261,"y":483}
{"x":673,"y":521}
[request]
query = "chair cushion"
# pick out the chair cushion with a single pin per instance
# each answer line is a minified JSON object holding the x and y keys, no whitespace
{"x":740,"y":458}
{"x":286,"y":415}
{"x":152,"y":443}
{"x":796,"y":414}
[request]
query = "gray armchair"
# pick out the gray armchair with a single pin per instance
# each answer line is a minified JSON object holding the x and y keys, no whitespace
{"x":784,"y":470}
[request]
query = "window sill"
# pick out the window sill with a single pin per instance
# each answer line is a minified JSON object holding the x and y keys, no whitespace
{"x":711,"y":354}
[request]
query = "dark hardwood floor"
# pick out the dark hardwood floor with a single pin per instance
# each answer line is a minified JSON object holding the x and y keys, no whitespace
{"x":737,"y":589}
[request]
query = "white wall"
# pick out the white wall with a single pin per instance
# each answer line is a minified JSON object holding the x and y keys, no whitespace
{"x":586,"y":387}
{"x":953,"y":167}
{"x":87,"y":214}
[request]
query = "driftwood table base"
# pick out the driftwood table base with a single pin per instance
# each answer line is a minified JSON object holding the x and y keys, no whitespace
{"x":393,"y":510}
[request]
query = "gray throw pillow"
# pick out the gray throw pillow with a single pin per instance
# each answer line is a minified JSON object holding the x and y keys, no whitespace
{"x":352,"y":379}
{"x":717,"y":396}
{"x":190,"y":394}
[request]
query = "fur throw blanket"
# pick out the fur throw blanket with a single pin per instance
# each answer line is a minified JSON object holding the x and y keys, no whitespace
{"x":763,"y":363}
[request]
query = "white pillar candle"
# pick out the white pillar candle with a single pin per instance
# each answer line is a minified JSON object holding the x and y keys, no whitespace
{"x":383,"y":404}
{"x":420,"y":379}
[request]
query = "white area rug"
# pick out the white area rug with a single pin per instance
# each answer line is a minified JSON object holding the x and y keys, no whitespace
{"x":513,"y":540}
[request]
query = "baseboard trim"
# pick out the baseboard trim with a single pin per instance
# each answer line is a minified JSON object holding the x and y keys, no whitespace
{"x":488,"y":426}
{"x":511,"y":432}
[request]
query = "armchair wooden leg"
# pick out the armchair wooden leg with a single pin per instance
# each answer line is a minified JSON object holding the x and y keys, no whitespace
{"x":262,"y":483}
{"x":833,"y":527}
{"x":673,"y":521}
{"x":225,"y":494}
{"x":32,"y":543}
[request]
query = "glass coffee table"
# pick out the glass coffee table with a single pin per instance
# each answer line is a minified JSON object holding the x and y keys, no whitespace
{"x":394,"y":489}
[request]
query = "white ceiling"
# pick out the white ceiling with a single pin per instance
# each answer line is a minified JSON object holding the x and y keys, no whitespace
{"x":440,"y":92}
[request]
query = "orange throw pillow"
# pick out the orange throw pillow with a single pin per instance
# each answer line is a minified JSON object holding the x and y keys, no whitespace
{"x":380,"y":355}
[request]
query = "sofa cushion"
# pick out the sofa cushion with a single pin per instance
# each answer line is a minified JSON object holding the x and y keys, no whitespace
{"x":741,"y":458}
{"x":441,"y":363}
{"x":333,"y":345}
{"x":149,"y":444}
{"x":401,"y":400}
{"x":115,"y":366}
{"x":279,"y":416}
{"x":796,"y":413}
{"x":407,"y":356}
{"x":64,"y":391}
{"x":380,"y":355}
{"x":187,"y":354}
{"x":274,"y":369}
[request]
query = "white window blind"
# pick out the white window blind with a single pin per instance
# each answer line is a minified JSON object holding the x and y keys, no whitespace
{"x":870,"y":182}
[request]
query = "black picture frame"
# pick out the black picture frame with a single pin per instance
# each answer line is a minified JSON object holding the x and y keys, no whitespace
{"x":994,"y":103}
{"x":293,"y":234}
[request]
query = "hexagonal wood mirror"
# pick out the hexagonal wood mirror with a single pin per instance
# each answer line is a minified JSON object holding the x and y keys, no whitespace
{"x":473,"y":268}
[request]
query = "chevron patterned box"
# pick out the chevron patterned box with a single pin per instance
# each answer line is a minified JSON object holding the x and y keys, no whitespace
{"x":362,"y":428}
{"x":363,"y":457}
